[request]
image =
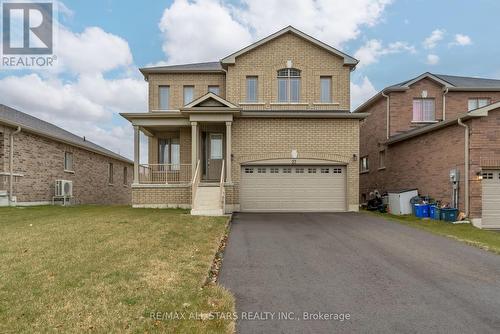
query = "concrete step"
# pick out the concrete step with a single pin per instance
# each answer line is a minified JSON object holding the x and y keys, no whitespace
{"x":207,"y":212}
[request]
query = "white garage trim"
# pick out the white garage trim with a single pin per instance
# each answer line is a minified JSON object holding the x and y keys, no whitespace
{"x":293,"y":188}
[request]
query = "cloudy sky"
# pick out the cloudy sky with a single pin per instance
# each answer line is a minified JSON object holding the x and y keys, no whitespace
{"x":101,"y":44}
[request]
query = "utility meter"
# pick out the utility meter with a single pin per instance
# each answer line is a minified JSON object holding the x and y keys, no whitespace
{"x":454,"y":175}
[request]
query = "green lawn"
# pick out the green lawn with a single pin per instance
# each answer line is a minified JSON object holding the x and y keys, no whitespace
{"x":106,"y":269}
{"x":488,"y":240}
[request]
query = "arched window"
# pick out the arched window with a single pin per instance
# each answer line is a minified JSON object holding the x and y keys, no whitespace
{"x":289,"y":85}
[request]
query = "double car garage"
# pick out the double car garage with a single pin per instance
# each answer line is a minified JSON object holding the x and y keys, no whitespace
{"x":299,"y":188}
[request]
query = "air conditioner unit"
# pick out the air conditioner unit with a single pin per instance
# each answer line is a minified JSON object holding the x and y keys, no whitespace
{"x":64,"y":188}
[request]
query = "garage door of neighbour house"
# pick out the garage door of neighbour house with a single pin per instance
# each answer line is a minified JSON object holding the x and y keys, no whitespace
{"x":293,"y":188}
{"x":491,"y":199}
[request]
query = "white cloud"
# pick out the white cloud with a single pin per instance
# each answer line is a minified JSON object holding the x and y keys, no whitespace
{"x":371,"y":52}
{"x":203,"y":30}
{"x":432,"y":59}
{"x":361,"y":92}
{"x":85,"y":102}
{"x":431,"y":41}
{"x":461,"y":40}
{"x":92,"y":51}
{"x":213,"y":29}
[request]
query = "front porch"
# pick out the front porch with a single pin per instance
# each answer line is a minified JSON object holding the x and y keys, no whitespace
{"x":189,"y":151}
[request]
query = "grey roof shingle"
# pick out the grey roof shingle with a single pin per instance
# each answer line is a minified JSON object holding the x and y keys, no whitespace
{"x":214,"y":66}
{"x":15,"y":117}
{"x":469,"y":82}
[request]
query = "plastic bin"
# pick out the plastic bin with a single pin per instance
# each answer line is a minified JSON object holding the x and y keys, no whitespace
{"x":435,"y":212}
{"x":449,"y":214}
{"x":422,"y":210}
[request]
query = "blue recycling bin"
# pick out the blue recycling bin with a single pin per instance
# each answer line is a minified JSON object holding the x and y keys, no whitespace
{"x":435,"y":212}
{"x":449,"y":214}
{"x":422,"y":210}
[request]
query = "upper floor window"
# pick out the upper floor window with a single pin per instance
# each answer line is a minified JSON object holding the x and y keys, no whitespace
{"x":164,"y":97}
{"x":252,"y":89}
{"x":188,"y":94}
{"x":363,"y":164}
{"x":478,"y":103}
{"x":424,"y":110}
{"x":326,"y":89}
{"x":214,"y":89}
{"x":289,"y":85}
{"x":68,"y":161}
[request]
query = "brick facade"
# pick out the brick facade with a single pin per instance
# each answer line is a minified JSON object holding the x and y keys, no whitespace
{"x":311,"y":60}
{"x":41,"y":161}
{"x":336,"y":140}
{"x":162,"y":196}
{"x":424,"y":161}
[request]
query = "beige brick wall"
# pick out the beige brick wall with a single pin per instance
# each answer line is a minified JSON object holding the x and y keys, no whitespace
{"x":176,"y":82}
{"x":267,"y":59}
{"x":161,"y":197}
{"x":330,"y":139}
{"x":41,"y":161}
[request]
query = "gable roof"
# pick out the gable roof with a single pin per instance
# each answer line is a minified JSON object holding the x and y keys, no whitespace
{"x":348,"y":60}
{"x":28,"y":123}
{"x":449,"y":82}
{"x":217,"y":66}
{"x":211,"y":96}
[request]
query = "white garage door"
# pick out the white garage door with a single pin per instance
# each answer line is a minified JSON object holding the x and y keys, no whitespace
{"x":491,"y":199}
{"x":293,"y":188}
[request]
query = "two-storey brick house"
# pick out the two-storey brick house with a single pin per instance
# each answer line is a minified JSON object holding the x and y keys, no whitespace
{"x":267,"y":128}
{"x":423,"y":129}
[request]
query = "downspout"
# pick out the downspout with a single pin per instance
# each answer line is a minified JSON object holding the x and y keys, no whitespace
{"x":11,"y":164}
{"x":444,"y":103}
{"x":466,"y":166}
{"x":387,"y":115}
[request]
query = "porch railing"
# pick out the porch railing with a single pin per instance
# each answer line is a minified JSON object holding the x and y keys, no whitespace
{"x":165,"y":173}
{"x":222,"y":195}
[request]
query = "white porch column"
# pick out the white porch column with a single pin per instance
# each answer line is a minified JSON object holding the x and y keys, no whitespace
{"x":228,"y":152}
{"x":194,"y":146}
{"x":137,"y":154}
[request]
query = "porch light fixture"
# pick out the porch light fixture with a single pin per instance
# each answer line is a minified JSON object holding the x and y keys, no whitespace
{"x":295,"y":154}
{"x":354,"y":157}
{"x":479,"y":176}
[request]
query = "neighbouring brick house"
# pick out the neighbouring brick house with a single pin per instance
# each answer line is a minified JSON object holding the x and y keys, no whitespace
{"x":44,"y":153}
{"x":267,"y":128}
{"x":420,"y":130}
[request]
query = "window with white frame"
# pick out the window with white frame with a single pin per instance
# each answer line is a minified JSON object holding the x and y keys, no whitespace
{"x":68,"y":161}
{"x":424,"y":110}
{"x":164,"y":97}
{"x":169,"y":152}
{"x":363,"y":164}
{"x":110,"y":173}
{"x":478,"y":103}
{"x":252,"y":82}
{"x":188,"y":94}
{"x":214,"y":89}
{"x":326,"y":89}
{"x":289,"y":85}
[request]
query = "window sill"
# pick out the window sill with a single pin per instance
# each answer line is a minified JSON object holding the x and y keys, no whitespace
{"x":252,"y":103}
{"x":69,"y":171}
{"x":289,"y":103}
{"x":381,"y":168}
{"x":364,"y":172}
{"x":111,"y":184}
{"x":326,"y":103}
{"x":424,"y":122}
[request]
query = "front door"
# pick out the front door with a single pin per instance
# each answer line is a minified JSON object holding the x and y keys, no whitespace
{"x":215,"y":155}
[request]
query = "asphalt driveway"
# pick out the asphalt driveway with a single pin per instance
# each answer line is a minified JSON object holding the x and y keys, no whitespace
{"x":384,"y":276}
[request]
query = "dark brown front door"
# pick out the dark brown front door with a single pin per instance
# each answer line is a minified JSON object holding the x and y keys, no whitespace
{"x":215,"y":155}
